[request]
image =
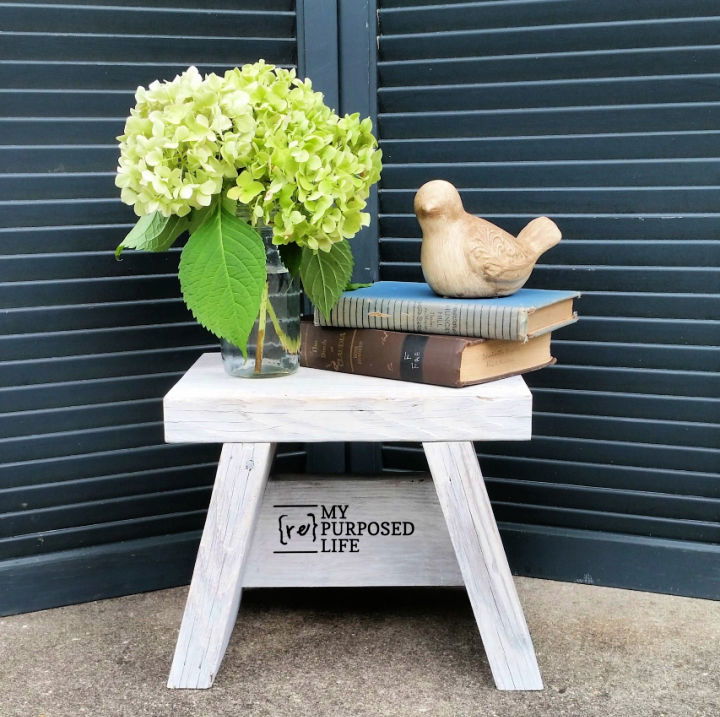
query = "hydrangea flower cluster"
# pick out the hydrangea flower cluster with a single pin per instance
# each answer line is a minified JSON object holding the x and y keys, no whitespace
{"x":297,"y":165}
{"x":209,"y":154}
{"x":310,"y":171}
{"x":182,"y":140}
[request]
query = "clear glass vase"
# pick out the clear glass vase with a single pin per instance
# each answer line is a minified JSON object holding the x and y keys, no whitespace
{"x":275,"y":339}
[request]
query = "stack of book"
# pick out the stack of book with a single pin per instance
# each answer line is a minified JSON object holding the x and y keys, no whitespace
{"x":402,"y":330}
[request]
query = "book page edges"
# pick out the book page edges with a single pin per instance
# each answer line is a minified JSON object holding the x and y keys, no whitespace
{"x":552,"y":327}
{"x":495,"y":358}
{"x":550,"y":362}
{"x":550,"y":317}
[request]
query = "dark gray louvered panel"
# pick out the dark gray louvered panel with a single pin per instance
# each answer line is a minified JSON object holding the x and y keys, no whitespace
{"x":89,"y":345}
{"x":605,"y":116}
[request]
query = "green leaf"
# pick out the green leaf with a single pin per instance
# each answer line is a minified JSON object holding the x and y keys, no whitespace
{"x":353,"y":287}
{"x":198,"y":217}
{"x":326,"y":274}
{"x":222,"y":274}
{"x":153,"y":232}
{"x":291,"y":254}
{"x":229,"y":205}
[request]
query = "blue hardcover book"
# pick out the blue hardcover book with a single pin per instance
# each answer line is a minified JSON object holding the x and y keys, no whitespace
{"x":414,"y":307}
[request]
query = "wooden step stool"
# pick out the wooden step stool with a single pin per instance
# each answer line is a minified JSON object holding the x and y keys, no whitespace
{"x":346,"y":532}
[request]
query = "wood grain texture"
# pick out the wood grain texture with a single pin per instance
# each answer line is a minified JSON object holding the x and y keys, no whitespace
{"x":216,"y":585}
{"x":312,"y":405}
{"x":480,"y":554}
{"x":424,"y":558}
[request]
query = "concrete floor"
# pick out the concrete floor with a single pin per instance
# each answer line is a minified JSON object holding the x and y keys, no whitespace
{"x":369,"y":652}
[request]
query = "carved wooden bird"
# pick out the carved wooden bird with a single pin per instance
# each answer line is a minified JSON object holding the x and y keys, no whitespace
{"x":465,"y":256}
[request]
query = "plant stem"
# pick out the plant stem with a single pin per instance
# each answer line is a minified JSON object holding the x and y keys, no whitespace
{"x":262,"y":320}
{"x":291,"y":345}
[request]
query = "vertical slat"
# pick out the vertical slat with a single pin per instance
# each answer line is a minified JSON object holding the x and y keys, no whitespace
{"x":358,"y":93}
{"x":317,"y":33}
{"x":317,"y":36}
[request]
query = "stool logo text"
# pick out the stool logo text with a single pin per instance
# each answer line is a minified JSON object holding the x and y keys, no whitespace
{"x":321,"y":528}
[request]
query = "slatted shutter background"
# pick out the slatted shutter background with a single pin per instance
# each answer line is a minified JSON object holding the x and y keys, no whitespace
{"x":606,"y":117}
{"x":89,"y":345}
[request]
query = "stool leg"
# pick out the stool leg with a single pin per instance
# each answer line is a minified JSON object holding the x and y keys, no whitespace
{"x":480,"y":554}
{"x":214,"y":597}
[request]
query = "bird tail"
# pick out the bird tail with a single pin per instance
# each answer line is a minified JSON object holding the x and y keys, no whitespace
{"x":539,"y":235}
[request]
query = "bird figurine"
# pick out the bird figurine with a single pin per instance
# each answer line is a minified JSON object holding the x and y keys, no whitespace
{"x":463,"y":256}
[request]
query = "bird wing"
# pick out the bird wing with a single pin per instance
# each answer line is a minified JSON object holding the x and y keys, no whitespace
{"x":496,"y":254}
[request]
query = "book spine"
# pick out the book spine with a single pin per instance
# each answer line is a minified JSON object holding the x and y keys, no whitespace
{"x":453,"y":317}
{"x":385,"y":354}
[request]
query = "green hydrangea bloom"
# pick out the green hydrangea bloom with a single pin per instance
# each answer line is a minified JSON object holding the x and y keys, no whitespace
{"x":297,"y":165}
{"x":309,"y":172}
{"x":182,"y":140}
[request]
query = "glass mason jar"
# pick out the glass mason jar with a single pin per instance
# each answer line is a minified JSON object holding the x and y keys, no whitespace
{"x":274,"y":341}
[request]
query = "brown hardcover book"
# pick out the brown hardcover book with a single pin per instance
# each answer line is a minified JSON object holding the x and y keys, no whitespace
{"x":424,"y":358}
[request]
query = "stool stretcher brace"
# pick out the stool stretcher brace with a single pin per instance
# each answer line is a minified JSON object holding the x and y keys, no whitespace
{"x":250,"y":416}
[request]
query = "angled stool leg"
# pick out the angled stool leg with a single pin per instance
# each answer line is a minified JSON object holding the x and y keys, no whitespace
{"x":214,"y":596}
{"x":476,"y":539}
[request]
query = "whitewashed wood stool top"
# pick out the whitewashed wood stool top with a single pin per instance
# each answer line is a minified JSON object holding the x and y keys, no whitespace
{"x":250,"y":416}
